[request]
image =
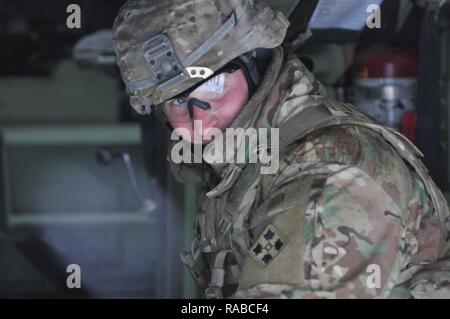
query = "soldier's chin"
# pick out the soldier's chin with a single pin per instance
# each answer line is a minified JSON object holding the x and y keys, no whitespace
{"x":202,"y":137}
{"x":203,"y":141}
{"x":207,"y":140}
{"x":211,"y":134}
{"x":199,"y":138}
{"x":206,"y":136}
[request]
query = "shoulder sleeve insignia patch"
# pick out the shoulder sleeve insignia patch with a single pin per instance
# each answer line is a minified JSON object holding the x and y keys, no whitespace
{"x":268,"y":247}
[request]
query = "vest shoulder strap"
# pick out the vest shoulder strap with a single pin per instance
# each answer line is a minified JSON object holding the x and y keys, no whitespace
{"x":330,"y":114}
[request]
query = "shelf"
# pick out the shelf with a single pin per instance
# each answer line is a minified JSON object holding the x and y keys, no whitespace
{"x":72,"y":135}
{"x":119,"y":218}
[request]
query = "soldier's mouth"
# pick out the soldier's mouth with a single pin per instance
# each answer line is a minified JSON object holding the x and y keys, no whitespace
{"x":234,"y":146}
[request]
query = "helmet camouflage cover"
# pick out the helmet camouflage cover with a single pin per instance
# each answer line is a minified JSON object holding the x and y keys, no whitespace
{"x":165,"y":47}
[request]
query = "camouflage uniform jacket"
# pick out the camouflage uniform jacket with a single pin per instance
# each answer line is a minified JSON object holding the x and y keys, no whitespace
{"x":345,"y":216}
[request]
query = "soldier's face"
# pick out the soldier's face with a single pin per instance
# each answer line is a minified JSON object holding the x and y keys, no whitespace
{"x":226,"y":94}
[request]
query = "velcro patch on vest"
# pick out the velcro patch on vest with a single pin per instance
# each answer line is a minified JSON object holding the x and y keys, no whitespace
{"x":268,"y":247}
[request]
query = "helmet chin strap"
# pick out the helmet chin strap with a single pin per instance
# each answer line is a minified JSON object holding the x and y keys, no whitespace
{"x":251,"y":74}
{"x":254,"y":65}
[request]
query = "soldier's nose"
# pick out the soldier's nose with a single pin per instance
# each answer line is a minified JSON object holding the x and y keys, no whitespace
{"x":206,"y":116}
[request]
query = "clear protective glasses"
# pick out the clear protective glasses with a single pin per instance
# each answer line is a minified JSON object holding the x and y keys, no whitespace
{"x":205,"y":95}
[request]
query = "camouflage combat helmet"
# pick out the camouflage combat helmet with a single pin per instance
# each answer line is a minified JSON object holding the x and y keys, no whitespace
{"x":165,"y":47}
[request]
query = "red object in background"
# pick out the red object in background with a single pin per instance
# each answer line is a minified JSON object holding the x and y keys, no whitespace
{"x":385,"y":86}
{"x":387,"y":63}
{"x":408,"y":126}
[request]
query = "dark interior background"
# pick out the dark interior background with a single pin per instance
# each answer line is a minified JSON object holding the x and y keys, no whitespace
{"x":59,"y":205}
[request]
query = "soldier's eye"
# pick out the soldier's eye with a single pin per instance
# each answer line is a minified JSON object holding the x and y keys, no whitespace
{"x":179,"y":101}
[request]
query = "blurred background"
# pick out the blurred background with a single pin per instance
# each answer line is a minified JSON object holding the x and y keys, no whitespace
{"x":84,"y":180}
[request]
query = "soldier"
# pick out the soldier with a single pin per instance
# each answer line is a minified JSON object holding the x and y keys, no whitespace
{"x":350,"y":213}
